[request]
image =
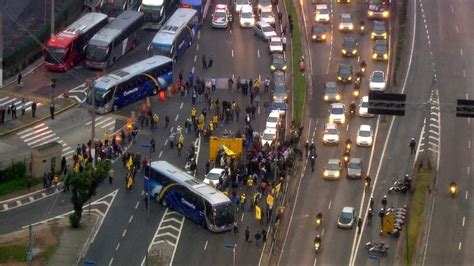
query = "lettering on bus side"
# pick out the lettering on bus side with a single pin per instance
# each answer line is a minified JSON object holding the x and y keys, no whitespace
{"x":187,"y":203}
{"x":125,"y":93}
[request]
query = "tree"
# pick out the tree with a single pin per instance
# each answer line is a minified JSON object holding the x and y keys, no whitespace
{"x":83,"y":187}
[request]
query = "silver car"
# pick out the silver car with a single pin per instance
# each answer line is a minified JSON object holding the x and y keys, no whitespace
{"x":354,"y":168}
{"x":333,"y":169}
{"x":264,"y":30}
{"x":347,"y":218}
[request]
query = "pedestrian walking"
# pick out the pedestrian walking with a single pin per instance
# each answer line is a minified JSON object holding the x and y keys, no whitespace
{"x":247,"y":234}
{"x":51,"y":110}
{"x":33,"y":109}
{"x":359,"y":225}
{"x":413,"y":145}
{"x":13,"y":111}
{"x":213,"y":84}
{"x":204,"y":62}
{"x":283,"y":41}
{"x":384,"y":202}
{"x":369,"y":217}
{"x":236,"y":228}
{"x":152,"y":145}
{"x":145,"y":199}
{"x":381,"y":215}
{"x":19,"y":78}
{"x":280,"y":17}
{"x":371,"y":203}
{"x":258,"y":237}
{"x":167,"y":121}
{"x":111,"y":175}
{"x":230,"y":83}
{"x":264,"y":235}
{"x":211,"y":60}
{"x":190,"y":79}
{"x":2,"y":114}
{"x":23,"y":106}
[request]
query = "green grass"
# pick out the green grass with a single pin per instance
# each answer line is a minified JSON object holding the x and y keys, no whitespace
{"x":13,"y":253}
{"x":417,"y":207}
{"x":49,"y":252}
{"x":298,"y":80}
{"x":402,"y":17}
{"x":16,"y":185}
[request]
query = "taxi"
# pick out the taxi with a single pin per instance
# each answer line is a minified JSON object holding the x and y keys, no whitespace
{"x":220,"y":18}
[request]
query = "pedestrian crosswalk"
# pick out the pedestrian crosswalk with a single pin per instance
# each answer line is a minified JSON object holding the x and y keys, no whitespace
{"x":104,"y":122}
{"x":6,"y":101}
{"x":42,"y":134}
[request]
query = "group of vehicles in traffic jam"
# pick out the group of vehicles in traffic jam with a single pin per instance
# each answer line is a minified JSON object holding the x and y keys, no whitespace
{"x":377,"y":14}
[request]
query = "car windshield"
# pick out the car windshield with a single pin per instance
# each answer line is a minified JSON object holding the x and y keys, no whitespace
{"x":162,"y":50}
{"x":322,"y":11}
{"x":331,"y":89}
{"x":337,"y":110}
{"x":346,"y":216}
{"x":278,"y":61}
{"x":241,"y":2}
{"x":364,"y":133}
{"x":275,"y":43}
{"x":279,"y":80}
{"x":266,"y":14}
{"x":112,"y":8}
{"x":55,"y":55}
{"x":279,"y":90}
{"x":272,"y":119}
{"x":331,"y":131}
{"x":349,"y":43}
{"x":220,"y":14}
{"x":379,"y":27}
{"x":345,"y":71}
{"x":267,"y":136}
{"x":213,"y":176}
{"x":97,"y":53}
{"x":355,"y":166}
{"x":364,"y":104}
{"x":102,"y":96}
{"x":151,"y":13}
{"x":346,"y":20}
{"x":318,"y":29}
{"x":377,"y":77}
{"x":380,"y":48}
{"x":224,"y":214}
{"x":267,"y":29}
{"x":333,"y":166}
{"x":246,"y":15}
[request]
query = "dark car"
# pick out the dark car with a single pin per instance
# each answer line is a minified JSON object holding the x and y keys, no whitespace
{"x":318,"y":2}
{"x":280,"y":94}
{"x":379,"y":31}
{"x":331,"y":93}
{"x":318,"y":33}
{"x":278,"y":62}
{"x":114,"y":8}
{"x":380,"y":51}
{"x":279,"y":79}
{"x":349,"y":46}
{"x":354,"y":168}
{"x":344,"y":73}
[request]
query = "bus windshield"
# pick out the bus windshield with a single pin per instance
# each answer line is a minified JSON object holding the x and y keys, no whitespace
{"x":224,"y":214}
{"x":152,"y":13}
{"x":162,"y":50}
{"x":97,"y":53}
{"x":102,"y":96}
{"x":55,"y":55}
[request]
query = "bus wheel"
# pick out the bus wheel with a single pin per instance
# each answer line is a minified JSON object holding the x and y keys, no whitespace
{"x":204,"y":223}
{"x":164,"y":202}
{"x":156,"y":197}
{"x":155,"y":91}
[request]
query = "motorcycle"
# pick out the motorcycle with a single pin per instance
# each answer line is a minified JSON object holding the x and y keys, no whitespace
{"x":312,"y":161}
{"x":366,"y":186}
{"x":352,"y":112}
{"x":348,"y":147}
{"x":453,"y":188}
{"x":375,"y":248}
{"x":317,"y":246}
{"x":362,"y":29}
{"x":346,"y":156}
{"x":399,"y":186}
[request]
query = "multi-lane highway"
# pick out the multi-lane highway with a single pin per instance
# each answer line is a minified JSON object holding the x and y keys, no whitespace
{"x":450,"y":235}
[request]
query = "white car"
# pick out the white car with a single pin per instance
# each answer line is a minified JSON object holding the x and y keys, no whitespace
{"x":276,"y":45}
{"x":330,"y":134}
{"x":212,"y":178}
{"x":220,"y":18}
{"x":247,"y":18}
{"x":239,"y":4}
{"x":322,"y":14}
{"x":346,"y":23}
{"x":347,"y":218}
{"x":377,"y":81}
{"x":364,"y":107}
{"x":266,"y":15}
{"x":268,"y":136}
{"x":264,"y":5}
{"x":337,"y":113}
{"x":264,"y":30}
{"x":273,"y":120}
{"x":364,"y":136}
{"x":333,"y":169}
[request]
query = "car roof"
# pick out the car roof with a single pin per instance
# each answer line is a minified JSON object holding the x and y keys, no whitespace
{"x":275,"y":39}
{"x":269,"y":131}
{"x":247,"y":8}
{"x":345,"y":66}
{"x":334,"y":161}
{"x":365,"y":128}
{"x":221,"y":6}
{"x":278,"y":56}
{"x":377,"y":72}
{"x":322,"y":6}
{"x":330,"y":84}
{"x":365,"y":98}
{"x":380,"y":42}
{"x":348,"y":209}
{"x":337,"y":105}
{"x":274,"y":113}
{"x":355,"y":160}
{"x":331,"y":125}
{"x":350,"y":38}
{"x":346,"y":15}
{"x":264,"y":24}
{"x":216,"y":171}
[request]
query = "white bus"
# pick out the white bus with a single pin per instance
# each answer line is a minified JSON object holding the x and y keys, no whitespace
{"x":114,"y":40}
{"x":156,"y":12}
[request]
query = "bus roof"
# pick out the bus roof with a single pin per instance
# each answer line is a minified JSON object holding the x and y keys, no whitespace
{"x":212,"y":195}
{"x":107,"y":34}
{"x":175,"y":23}
{"x":191,"y":2}
{"x":127,"y":72}
{"x":153,"y":2}
{"x":80,"y":26}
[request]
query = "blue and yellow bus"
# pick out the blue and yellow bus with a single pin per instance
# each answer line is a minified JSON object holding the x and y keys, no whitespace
{"x":201,"y":6}
{"x":189,"y":196}
{"x":132,"y":83}
{"x":177,"y":34}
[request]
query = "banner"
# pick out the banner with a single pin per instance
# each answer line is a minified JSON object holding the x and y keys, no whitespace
{"x":270,"y":200}
{"x":258,"y":213}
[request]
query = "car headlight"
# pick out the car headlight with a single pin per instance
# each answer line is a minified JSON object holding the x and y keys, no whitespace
{"x":356,"y":93}
{"x":323,"y":36}
{"x":349,"y":78}
{"x":326,"y":173}
{"x":343,"y":120}
{"x":339,"y":77}
{"x":374,"y":56}
{"x":385,"y":56}
{"x":358,"y":139}
{"x":336,"y":174}
{"x":384,"y":34}
{"x":326,"y":98}
{"x":286,"y":97}
{"x":385,"y":14}
{"x":331,"y":120}
{"x":355,"y":51}
{"x":344,"y":51}
{"x":338,"y":97}
{"x":358,"y":174}
{"x":372,"y":34}
{"x":272,"y":67}
{"x":314,"y":36}
{"x":370,"y":13}
{"x":274,"y":98}
{"x":351,"y":27}
{"x":284,"y":67}
{"x":341,"y":27}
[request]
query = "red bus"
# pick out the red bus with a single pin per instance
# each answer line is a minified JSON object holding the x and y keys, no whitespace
{"x":68,"y":47}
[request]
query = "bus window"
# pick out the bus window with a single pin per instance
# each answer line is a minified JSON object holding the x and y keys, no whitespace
{"x":97,"y":53}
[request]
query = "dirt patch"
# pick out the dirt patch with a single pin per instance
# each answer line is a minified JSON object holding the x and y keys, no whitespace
{"x":45,"y":240}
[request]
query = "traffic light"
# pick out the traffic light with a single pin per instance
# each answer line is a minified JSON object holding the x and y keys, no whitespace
{"x":465,"y":108}
{"x":387,"y":103}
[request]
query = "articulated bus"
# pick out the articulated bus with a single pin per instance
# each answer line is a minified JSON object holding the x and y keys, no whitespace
{"x":176,"y":35}
{"x":114,"y":40}
{"x":113,"y":8}
{"x":156,"y":12}
{"x":131,"y":84}
{"x":189,"y":196}
{"x":67,"y":48}
{"x":202,"y":6}
{"x":378,"y":9}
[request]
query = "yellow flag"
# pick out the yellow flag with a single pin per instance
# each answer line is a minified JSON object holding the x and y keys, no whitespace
{"x":258,"y":213}
{"x":130,"y":163}
{"x":270,"y":200}
{"x":278,"y":187}
{"x":130,"y":182}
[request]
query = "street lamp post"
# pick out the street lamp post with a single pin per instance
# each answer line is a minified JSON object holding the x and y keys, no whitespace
{"x":148,"y":146}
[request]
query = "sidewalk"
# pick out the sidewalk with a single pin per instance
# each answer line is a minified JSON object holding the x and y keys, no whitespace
{"x":42,"y":112}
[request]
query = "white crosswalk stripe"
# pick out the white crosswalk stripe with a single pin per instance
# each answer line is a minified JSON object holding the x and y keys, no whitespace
{"x":42,"y":134}
{"x":104,"y":122}
{"x":7,"y":101}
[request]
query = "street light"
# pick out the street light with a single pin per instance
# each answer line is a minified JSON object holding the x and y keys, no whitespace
{"x":232,"y":246}
{"x":148,"y":146}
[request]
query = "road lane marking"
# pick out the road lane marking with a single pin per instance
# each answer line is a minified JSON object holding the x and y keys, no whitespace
{"x":205,"y":245}
{"x":467,"y":96}
{"x":136,"y":205}
{"x":329,"y":206}
{"x":195,"y":58}
{"x":197,"y":47}
{"x":467,"y":195}
{"x":232,"y":52}
{"x":468,"y":170}
{"x":347,"y":127}
{"x":181,"y":105}
{"x":460,"y":51}
{"x":111,"y":260}
{"x":452,"y":8}
{"x":457,"y":29}
{"x":161,"y":153}
{"x":463,"y":220}
{"x":199,"y":35}
{"x":464,"y":73}
{"x":124,"y":232}
{"x":131,"y":219}
{"x":258,"y":53}
{"x":177,"y":116}
{"x":242,"y":219}
{"x":459,"y":246}
{"x":469,"y":144}
{"x":117,"y":247}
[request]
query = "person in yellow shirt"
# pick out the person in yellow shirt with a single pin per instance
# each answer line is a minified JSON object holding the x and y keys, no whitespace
{"x":106,"y":138}
{"x":193,"y":114}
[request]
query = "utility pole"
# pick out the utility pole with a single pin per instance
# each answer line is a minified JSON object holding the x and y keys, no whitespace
{"x":52,"y":18}
{"x":92,"y":88}
{"x":1,"y":47}
{"x":29,"y":255}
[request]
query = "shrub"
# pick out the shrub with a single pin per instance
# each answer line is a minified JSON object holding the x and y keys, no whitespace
{"x":15,"y":171}
{"x":74,"y":220}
